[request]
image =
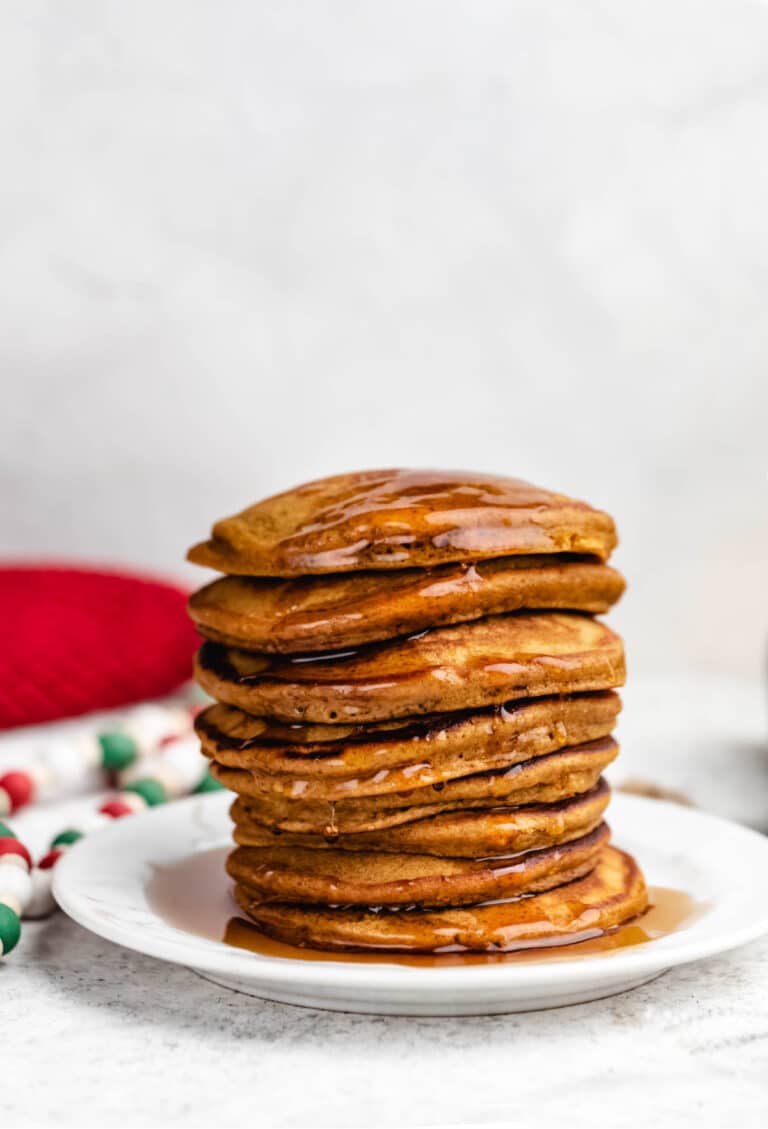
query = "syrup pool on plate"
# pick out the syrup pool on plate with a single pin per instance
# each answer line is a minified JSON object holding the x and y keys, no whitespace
{"x":193,"y":895}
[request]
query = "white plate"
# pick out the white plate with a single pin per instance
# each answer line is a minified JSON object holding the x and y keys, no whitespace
{"x":102,"y":881}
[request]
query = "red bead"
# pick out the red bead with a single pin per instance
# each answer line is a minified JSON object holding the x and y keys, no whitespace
{"x":9,"y":846}
{"x":47,"y":861}
{"x":116,"y":808}
{"x":20,"y":788}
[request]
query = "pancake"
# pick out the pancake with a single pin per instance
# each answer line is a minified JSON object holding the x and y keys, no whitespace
{"x":612,"y":893}
{"x":470,"y":665}
{"x":543,"y":780}
{"x":322,"y":613}
{"x":460,"y":834}
{"x":361,"y":878}
{"x":389,"y":519}
{"x":392,"y":757}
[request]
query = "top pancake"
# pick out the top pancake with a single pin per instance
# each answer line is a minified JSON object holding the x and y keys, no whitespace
{"x":392,"y":519}
{"x":332,"y":612}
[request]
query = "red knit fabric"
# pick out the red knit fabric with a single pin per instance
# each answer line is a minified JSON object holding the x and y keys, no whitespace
{"x":74,"y":640}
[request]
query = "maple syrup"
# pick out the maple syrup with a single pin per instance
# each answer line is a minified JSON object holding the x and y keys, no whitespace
{"x":383,"y":516}
{"x":193,"y":895}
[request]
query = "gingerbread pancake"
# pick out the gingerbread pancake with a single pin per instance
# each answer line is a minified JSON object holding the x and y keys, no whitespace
{"x":461,"y":834}
{"x":389,"y":519}
{"x":397,"y":756}
{"x":360,"y":878}
{"x":543,"y":780}
{"x":332,"y":612}
{"x":610,"y":894}
{"x":471,"y":665}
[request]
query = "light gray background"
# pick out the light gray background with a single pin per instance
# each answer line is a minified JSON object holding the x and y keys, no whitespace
{"x":244,"y":244}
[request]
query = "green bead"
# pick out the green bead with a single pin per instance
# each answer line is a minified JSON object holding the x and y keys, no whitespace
{"x":152,"y":791}
{"x":208,"y":783}
{"x":118,"y":751}
{"x":5,"y":831}
{"x":10,"y":929}
{"x":66,"y":838}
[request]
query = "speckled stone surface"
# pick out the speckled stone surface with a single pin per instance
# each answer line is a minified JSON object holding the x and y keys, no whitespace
{"x":104,"y":1036}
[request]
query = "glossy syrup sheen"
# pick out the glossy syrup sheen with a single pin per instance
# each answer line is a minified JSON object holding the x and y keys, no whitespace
{"x":432,"y":491}
{"x":193,"y":895}
{"x":500,"y":644}
{"x":403,"y":515}
{"x":398,"y":509}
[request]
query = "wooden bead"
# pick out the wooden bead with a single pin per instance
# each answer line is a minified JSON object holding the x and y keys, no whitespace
{"x":151,"y":791}
{"x":116,"y":808}
{"x":49,"y":860}
{"x":19,"y":787}
{"x":10,"y":929}
{"x":118,"y":750}
{"x":134,"y":801}
{"x":66,"y":838}
{"x":11,"y":848}
{"x":15,"y":887}
{"x":41,"y":901}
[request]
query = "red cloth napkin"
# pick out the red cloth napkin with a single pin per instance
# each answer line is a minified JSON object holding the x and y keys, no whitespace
{"x":74,"y":640}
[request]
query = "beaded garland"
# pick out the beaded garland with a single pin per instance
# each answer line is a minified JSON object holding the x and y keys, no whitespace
{"x":62,"y":761}
{"x":25,"y":890}
{"x":144,"y":780}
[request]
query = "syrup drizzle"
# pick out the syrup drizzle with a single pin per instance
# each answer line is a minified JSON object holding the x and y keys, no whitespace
{"x":193,"y":895}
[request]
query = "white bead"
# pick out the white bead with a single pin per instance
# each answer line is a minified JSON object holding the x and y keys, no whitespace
{"x":93,"y":821}
{"x":135,"y":771}
{"x":15,"y":883}
{"x":186,"y":761}
{"x":181,"y":720}
{"x":43,"y":780}
{"x":63,"y":761}
{"x":41,"y":901}
{"x":134,"y":801}
{"x":14,"y":860}
{"x":89,"y":749}
{"x":13,"y":903}
{"x":165,"y":776}
{"x":149,"y":724}
{"x":73,"y":756}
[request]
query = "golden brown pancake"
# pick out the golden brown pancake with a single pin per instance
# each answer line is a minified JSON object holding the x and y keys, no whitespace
{"x":455,"y":834}
{"x":397,"y":756}
{"x":612,"y":893}
{"x":543,"y":780}
{"x":471,"y":665}
{"x":362,"y":878}
{"x":332,"y":612}
{"x":385,"y":519}
{"x":286,"y":746}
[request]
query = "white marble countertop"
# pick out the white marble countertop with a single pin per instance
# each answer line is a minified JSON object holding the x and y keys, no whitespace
{"x":97,"y":1035}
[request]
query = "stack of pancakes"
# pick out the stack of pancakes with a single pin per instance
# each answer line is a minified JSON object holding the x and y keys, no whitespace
{"x":414,"y":707}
